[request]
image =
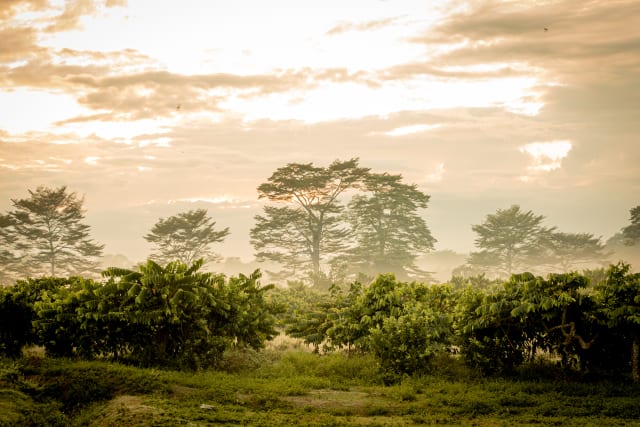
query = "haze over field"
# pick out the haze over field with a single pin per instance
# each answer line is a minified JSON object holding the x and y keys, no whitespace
{"x":150,"y":108}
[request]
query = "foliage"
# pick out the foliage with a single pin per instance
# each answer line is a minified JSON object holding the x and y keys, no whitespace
{"x":620,"y":299}
{"x":389,"y":232}
{"x":571,"y":250}
{"x":478,"y":281}
{"x":510,"y":240}
{"x":585,"y":327}
{"x":47,"y":234}
{"x":406,"y":344}
{"x":62,"y":328}
{"x":305,"y":313}
{"x":157,"y":316}
{"x":308,"y":228}
{"x":631,"y":232}
{"x":403,"y":324}
{"x":8,"y":260}
{"x":490,"y":339}
{"x":17,"y":312}
{"x":186,"y":237}
{"x":301,"y":388}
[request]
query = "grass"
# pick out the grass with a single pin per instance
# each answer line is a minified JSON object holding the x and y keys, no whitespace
{"x":285,"y":387}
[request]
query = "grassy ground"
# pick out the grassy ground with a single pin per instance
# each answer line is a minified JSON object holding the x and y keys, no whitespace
{"x":278,"y":387}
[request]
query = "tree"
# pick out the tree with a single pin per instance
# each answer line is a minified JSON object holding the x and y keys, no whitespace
{"x":389,"y":232}
{"x":619,"y":246}
{"x":49,"y":233}
{"x":7,"y":257}
{"x":17,"y":313}
{"x":308,"y":228}
{"x":186,"y":237}
{"x":171,"y":315}
{"x":631,"y":232}
{"x":511,"y":240}
{"x":620,"y":301}
{"x":572,"y":249}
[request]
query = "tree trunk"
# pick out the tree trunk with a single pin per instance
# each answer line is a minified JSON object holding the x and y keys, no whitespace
{"x":315,"y":257}
{"x":635,"y":359}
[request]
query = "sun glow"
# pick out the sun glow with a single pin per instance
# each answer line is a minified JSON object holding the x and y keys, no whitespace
{"x":547,"y":156}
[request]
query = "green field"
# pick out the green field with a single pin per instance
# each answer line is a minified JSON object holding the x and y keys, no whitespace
{"x":295,"y":387}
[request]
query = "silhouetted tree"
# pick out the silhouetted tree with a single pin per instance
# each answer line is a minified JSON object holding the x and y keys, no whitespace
{"x":49,"y":236}
{"x":388,"y":230}
{"x":570,"y":250}
{"x":510,"y":241}
{"x":8,"y":258}
{"x":186,"y":237}
{"x":631,"y":232}
{"x":302,"y":233}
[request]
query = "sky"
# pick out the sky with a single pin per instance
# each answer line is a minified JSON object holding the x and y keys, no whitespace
{"x":149,"y":108}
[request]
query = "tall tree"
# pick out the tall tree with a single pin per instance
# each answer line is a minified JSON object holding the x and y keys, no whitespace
{"x":631,"y":232}
{"x":510,"y":241}
{"x":308,"y":228}
{"x":186,"y":237}
{"x":50,"y":236}
{"x":389,"y":231}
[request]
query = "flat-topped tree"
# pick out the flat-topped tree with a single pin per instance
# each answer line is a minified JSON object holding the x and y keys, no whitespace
{"x":50,"y":236}
{"x":308,"y":227}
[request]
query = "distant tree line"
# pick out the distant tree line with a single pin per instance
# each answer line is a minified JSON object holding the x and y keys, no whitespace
{"x":324,"y":225}
{"x":512,"y":240}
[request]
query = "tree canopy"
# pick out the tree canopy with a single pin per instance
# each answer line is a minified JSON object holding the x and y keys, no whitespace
{"x":573,"y":250}
{"x":389,"y":232}
{"x":48,"y":236}
{"x":186,"y":237}
{"x":631,"y":232}
{"x":510,"y":239}
{"x":309,"y":227}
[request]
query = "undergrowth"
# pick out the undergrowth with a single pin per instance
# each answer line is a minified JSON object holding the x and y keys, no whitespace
{"x":293,"y":387}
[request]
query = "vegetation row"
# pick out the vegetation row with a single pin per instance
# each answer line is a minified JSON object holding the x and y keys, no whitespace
{"x":176,"y":316}
{"x":322,"y":225}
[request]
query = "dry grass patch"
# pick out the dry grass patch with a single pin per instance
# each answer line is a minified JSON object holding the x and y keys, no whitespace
{"x":350,"y":400}
{"x":126,"y":410}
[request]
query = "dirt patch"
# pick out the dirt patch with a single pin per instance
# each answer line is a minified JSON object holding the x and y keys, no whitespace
{"x":178,"y":391}
{"x":333,"y":399}
{"x":126,"y":410}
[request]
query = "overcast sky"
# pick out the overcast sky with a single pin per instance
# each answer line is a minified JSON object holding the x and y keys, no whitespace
{"x":150,"y":108}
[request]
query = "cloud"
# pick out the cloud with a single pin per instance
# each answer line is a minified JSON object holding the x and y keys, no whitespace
{"x":116,"y":3}
{"x":468,"y":74}
{"x":17,"y":44}
{"x":70,"y":18}
{"x":9,"y":8}
{"x":582,"y":41}
{"x":407,"y":130}
{"x":546,"y":156}
{"x":344,"y":27}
